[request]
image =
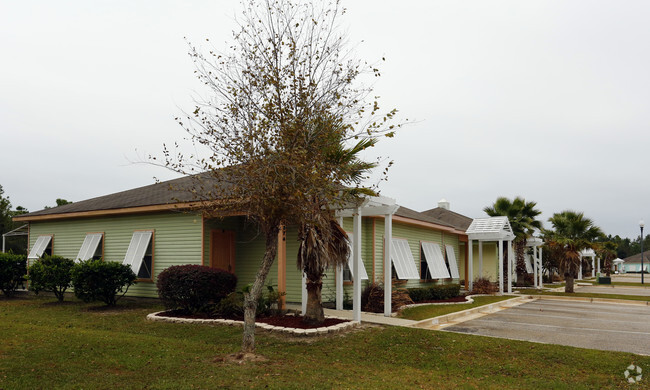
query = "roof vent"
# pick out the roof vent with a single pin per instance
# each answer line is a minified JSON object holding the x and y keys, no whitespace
{"x":443,"y":204}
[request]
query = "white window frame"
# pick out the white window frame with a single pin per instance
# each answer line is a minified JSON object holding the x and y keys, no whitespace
{"x":453,"y":263}
{"x":435,"y":260}
{"x":41,"y":244}
{"x":89,"y":246}
{"x":137,"y":250}
{"x":402,"y":258}
{"x":348,"y":267}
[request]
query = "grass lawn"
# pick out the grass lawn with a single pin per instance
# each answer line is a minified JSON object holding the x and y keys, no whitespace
{"x":75,"y":345}
{"x":587,"y":295}
{"x":429,"y":311}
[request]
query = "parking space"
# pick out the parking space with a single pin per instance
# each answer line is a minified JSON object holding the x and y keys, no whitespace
{"x":612,"y":327}
{"x":609,"y":289}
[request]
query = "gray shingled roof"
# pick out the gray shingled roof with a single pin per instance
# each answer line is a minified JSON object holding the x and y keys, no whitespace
{"x":454,"y":219}
{"x":167,"y":192}
{"x":409,"y":213}
{"x":637,"y":258}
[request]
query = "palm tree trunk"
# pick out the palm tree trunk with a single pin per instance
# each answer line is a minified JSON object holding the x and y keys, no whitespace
{"x":251,"y":298}
{"x":568,"y":288}
{"x":520,"y":246}
{"x":314,"y":313}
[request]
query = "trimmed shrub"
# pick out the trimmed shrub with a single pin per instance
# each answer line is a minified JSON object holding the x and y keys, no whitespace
{"x":97,"y":280}
{"x":374,"y":301}
{"x":484,"y":286}
{"x":434,"y":293}
{"x":194,"y":288}
{"x":419,"y":294}
{"x":12,"y":272}
{"x":52,"y":274}
{"x":233,"y":304}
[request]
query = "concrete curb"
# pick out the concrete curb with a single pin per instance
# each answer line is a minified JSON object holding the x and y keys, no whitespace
{"x":474,"y":312}
{"x":292,"y":331}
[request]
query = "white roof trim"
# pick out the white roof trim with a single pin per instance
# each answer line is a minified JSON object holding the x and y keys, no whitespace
{"x":400,"y":254}
{"x":370,"y":206}
{"x":89,"y":246}
{"x":587,"y":253}
{"x":39,"y":247}
{"x":453,"y":264}
{"x":435,"y":260}
{"x":490,"y":229}
{"x":362,"y":267}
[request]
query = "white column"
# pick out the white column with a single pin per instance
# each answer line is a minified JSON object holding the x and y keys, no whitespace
{"x":510,"y":257}
{"x":535,"y":267}
{"x":580,"y":269}
{"x":541,"y":271}
{"x":593,"y":266}
{"x":303,"y":305}
{"x":469,"y":284}
{"x":480,"y":258}
{"x":598,"y":265}
{"x":339,"y":279}
{"x":388,"y":269}
{"x":356,"y":269}
{"x":501,"y":266}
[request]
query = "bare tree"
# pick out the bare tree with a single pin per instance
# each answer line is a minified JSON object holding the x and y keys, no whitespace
{"x":284,"y":101}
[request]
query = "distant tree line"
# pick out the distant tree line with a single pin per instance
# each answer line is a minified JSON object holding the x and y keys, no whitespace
{"x":628,"y":247}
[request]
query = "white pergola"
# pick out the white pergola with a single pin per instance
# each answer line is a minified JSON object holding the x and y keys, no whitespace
{"x":616,"y":263}
{"x":588,"y":253}
{"x":376,"y":206}
{"x":536,"y":243}
{"x":490,"y":229}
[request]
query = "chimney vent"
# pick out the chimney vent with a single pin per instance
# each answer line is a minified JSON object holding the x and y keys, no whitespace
{"x":443,"y":204}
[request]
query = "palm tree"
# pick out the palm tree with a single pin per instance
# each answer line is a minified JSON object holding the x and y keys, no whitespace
{"x":323,"y":243}
{"x":607,"y":252}
{"x":573,"y":232}
{"x":521,"y":215}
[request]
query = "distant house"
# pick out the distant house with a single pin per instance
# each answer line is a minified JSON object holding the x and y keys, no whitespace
{"x":633,"y":263}
{"x":154,"y":227}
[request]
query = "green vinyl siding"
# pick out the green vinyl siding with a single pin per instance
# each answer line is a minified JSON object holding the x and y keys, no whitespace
{"x":490,"y":263}
{"x":177,"y":239}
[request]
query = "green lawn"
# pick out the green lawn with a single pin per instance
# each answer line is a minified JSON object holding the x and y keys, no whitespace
{"x":429,"y":311}
{"x":75,"y":345}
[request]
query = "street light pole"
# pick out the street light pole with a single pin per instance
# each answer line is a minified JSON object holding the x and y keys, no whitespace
{"x":641,"y":224}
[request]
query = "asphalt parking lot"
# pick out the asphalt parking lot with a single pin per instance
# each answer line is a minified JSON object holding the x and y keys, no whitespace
{"x":604,"y":326}
{"x":609,"y":289}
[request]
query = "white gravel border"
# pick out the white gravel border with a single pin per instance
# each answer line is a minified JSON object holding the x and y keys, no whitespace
{"x":292,"y":331}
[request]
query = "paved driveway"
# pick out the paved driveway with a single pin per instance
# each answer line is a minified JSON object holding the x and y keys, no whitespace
{"x":613,"y":327}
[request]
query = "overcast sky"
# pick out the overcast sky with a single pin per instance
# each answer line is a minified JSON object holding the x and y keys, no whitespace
{"x":548,"y":100}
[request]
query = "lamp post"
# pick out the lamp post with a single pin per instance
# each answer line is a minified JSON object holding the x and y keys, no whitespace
{"x":641,"y":224}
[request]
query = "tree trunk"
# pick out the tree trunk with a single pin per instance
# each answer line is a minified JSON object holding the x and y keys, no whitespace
{"x":520,"y":246}
{"x":252,"y":297}
{"x":568,"y":288}
{"x":314,"y":313}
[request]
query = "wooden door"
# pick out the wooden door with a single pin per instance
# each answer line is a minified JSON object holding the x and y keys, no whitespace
{"x":222,"y":249}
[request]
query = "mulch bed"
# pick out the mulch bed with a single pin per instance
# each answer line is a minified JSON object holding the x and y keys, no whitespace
{"x":460,"y":298}
{"x":286,"y":321}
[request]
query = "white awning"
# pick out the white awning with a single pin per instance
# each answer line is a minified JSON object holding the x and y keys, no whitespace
{"x":39,"y":247}
{"x":362,"y":267}
{"x":89,"y":246}
{"x":137,"y":249}
{"x":400,"y":254}
{"x":435,"y":260}
{"x":453,"y":264}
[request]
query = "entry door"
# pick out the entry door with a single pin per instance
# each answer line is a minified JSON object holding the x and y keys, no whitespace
{"x":222,"y":249}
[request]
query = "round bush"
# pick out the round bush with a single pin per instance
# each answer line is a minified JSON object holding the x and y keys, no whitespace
{"x":194,"y":288}
{"x":51,"y":273}
{"x":97,"y":280}
{"x":12,"y":271}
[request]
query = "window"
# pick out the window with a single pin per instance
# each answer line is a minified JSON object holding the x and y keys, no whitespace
{"x":453,"y":264}
{"x":42,"y":246}
{"x":424,"y":267}
{"x":435,"y":261}
{"x":92,"y":247}
{"x":139,"y":255}
{"x":347,"y":268}
{"x":402,"y":259}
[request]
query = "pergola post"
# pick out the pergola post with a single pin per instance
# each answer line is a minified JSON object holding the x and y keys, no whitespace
{"x":480,"y":258}
{"x":535,"y":266}
{"x":303,"y":302}
{"x":470,"y":266}
{"x":580,"y":269}
{"x":541,"y":271}
{"x":356,"y":269}
{"x":339,"y":279}
{"x":510,"y":257}
{"x":593,"y":266}
{"x":501,"y":266}
{"x":388,"y":269}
